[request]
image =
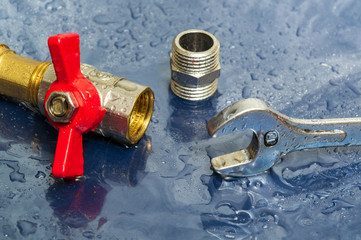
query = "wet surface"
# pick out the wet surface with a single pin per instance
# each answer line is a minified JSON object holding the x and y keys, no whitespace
{"x":301,"y":56}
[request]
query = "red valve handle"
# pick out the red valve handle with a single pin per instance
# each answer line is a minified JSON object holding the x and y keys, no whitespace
{"x":65,"y":53}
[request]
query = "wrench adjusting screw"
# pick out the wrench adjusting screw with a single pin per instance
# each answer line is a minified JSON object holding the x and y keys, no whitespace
{"x":271,"y":138}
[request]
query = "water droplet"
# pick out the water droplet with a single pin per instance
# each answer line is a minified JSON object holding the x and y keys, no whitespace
{"x":273,"y":73}
{"x":103,"y":43}
{"x":103,"y":19}
{"x":243,"y":217}
{"x":120,"y":44}
{"x":260,"y":56}
{"x":40,"y":175}
{"x":26,"y":227}
{"x":253,"y":77}
{"x":55,"y":5}
{"x":11,"y":195}
{"x":278,"y":86}
{"x":28,"y":21}
{"x":259,"y":28}
{"x":258,"y":184}
{"x":139,"y":57}
{"x":306,"y":221}
{"x":246,"y":92}
{"x":154,"y":120}
{"x":88,"y":234}
{"x":29,"y":48}
{"x":15,"y":176}
{"x":261,"y":203}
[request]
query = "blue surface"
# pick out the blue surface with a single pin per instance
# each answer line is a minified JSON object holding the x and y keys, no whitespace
{"x":301,"y":56}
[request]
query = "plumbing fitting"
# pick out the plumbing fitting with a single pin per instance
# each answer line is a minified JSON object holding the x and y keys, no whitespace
{"x":129,"y":106}
{"x":195,"y":65}
{"x":76,"y":102}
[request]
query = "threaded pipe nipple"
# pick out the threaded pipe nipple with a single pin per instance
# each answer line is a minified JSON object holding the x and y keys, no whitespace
{"x":195,"y":65}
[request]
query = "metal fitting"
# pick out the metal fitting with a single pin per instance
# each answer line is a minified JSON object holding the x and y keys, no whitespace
{"x":195,"y":65}
{"x":129,"y":106}
{"x":60,"y":106}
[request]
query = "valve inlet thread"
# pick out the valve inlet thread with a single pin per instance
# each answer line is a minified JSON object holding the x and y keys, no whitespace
{"x":140,"y":116}
{"x":35,"y":80}
{"x":195,"y":65}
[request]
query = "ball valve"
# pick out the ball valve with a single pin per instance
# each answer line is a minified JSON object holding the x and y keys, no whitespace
{"x":76,"y":98}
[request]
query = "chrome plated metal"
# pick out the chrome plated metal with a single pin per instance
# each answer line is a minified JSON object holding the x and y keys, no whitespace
{"x":60,"y":106}
{"x":195,"y":65}
{"x":274,"y":135}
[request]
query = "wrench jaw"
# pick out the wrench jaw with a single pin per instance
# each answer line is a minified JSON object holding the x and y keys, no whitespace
{"x":253,"y":160}
{"x":235,"y":163}
{"x":266,"y":145}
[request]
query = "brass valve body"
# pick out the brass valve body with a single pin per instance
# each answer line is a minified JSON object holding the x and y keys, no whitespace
{"x":129,"y":106}
{"x":20,"y":76}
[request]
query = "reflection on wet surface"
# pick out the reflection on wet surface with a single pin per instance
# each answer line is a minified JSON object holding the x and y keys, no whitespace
{"x":188,"y":120}
{"x":301,"y":56}
{"x":78,"y":202}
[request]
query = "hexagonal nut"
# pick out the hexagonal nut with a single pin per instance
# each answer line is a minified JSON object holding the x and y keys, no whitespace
{"x":195,"y":79}
{"x":60,"y":106}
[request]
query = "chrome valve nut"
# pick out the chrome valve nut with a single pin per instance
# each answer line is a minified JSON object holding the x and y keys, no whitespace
{"x":60,"y":106}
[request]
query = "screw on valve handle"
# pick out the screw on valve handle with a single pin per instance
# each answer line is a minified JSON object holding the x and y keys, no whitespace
{"x":72,"y":105}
